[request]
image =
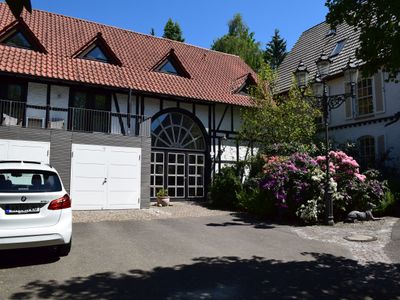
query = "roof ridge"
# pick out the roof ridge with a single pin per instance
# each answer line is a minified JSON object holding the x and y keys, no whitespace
{"x":130,"y":31}
{"x":314,"y":26}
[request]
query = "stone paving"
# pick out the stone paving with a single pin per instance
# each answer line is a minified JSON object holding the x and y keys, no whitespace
{"x":364,"y":252}
{"x":175,"y":210}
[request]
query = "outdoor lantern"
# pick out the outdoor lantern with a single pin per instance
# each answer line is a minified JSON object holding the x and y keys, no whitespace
{"x":317,"y":86}
{"x":350,"y":72}
{"x":301,"y":74}
{"x":323,"y":65}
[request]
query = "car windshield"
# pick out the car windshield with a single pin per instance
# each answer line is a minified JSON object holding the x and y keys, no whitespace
{"x":32,"y":181}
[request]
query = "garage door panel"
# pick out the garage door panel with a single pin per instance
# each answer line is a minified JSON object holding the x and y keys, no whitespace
{"x":24,"y":150}
{"x":88,"y":156}
{"x":90,"y":170}
{"x":116,"y":171}
{"x":121,"y":200}
{"x":122,"y":184}
{"x":122,"y":157}
{"x":119,"y":165}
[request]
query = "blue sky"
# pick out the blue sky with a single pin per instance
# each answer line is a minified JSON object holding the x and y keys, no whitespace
{"x":201,"y":21}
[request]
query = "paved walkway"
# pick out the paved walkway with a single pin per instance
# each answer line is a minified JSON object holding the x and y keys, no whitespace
{"x":363,"y":252}
{"x":383,"y":250}
{"x":393,"y":248}
{"x":175,"y":210}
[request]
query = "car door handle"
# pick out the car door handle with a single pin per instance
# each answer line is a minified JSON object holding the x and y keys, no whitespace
{"x":105,"y":181}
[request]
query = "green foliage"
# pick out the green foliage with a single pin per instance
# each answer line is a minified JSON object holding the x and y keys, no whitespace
{"x":16,"y":6}
{"x":224,"y":189}
{"x":240,"y":41}
{"x":379,"y":25}
{"x":162,"y":193}
{"x":275,"y":51}
{"x":173,"y":31}
{"x":387,"y":206}
{"x":277,"y":121}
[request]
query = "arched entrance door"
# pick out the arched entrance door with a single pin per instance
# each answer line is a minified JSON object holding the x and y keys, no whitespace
{"x":179,"y":155}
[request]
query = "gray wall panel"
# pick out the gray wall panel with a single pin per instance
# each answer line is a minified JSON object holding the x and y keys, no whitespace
{"x":60,"y":155}
{"x":145,"y":176}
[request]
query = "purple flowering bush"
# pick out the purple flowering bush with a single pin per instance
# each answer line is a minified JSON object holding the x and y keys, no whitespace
{"x":295,"y":184}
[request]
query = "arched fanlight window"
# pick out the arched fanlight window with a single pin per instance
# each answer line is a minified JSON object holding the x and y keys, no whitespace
{"x":175,"y":130}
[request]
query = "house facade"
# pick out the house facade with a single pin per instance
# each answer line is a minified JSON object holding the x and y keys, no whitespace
{"x":119,"y":114}
{"x":367,"y":120}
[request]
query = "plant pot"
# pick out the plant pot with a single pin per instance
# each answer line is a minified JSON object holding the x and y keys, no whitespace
{"x":163,"y":201}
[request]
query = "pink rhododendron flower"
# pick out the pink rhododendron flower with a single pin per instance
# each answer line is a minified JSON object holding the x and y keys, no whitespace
{"x":360,"y":177}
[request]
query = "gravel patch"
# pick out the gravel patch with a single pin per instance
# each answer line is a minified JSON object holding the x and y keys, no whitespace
{"x":363,"y":252}
{"x":175,"y":210}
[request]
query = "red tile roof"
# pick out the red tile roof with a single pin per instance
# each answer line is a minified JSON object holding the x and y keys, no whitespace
{"x":213,"y":74}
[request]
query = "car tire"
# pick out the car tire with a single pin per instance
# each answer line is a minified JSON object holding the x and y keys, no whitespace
{"x":63,"y":250}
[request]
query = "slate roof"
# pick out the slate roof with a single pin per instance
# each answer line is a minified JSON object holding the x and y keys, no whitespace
{"x":213,"y":75}
{"x":309,"y":47}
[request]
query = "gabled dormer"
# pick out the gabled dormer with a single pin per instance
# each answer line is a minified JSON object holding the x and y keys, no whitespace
{"x":170,"y":64}
{"x":244,"y":83}
{"x":97,"y":49}
{"x":19,"y":35}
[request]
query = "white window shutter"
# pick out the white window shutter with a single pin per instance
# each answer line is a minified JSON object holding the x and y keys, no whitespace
{"x":348,"y":103}
{"x":379,"y":95}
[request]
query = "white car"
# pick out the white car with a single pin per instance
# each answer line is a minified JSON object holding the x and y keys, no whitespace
{"x":35,"y":209}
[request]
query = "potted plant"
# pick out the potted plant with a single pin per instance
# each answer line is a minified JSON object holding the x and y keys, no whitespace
{"x":162,"y":197}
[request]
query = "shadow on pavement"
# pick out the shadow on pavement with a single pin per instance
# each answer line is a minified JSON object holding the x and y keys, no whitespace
{"x":243,"y":219}
{"x":27,"y":257}
{"x":323,"y":276}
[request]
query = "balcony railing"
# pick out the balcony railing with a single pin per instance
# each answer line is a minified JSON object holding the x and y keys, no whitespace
{"x":14,"y":113}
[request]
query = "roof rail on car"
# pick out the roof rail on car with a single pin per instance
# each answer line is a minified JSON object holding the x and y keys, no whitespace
{"x":20,"y":162}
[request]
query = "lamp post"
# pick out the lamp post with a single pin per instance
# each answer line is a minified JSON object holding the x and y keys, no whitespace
{"x":326,"y":103}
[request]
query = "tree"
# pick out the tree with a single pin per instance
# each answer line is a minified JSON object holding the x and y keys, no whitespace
{"x":275,"y":51}
{"x":379,"y":25}
{"x":240,"y":41}
{"x":173,"y":31}
{"x":16,"y":6}
{"x":152,"y":32}
{"x":277,"y":121}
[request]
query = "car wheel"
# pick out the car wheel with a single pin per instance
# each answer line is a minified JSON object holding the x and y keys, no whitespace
{"x":63,"y":250}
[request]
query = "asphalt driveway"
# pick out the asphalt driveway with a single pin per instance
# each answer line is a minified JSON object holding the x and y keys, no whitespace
{"x":217,"y":257}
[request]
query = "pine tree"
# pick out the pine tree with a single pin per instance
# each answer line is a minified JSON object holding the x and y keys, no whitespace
{"x":240,"y":41}
{"x":173,"y":31}
{"x":152,"y":32}
{"x":275,"y":51}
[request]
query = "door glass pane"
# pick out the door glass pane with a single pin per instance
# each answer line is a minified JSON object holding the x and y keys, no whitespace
{"x":196,"y":175}
{"x":157,"y":173}
{"x":100,"y":102}
{"x":14,"y":92}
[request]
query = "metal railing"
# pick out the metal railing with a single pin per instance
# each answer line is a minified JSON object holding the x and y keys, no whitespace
{"x":15,"y":113}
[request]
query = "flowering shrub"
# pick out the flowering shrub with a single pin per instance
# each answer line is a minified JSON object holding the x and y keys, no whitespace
{"x":296,"y":184}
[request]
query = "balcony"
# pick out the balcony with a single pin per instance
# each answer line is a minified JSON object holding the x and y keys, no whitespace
{"x":14,"y":113}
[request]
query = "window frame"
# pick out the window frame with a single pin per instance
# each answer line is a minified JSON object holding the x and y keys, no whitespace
{"x":372,"y":96}
{"x":367,"y":159}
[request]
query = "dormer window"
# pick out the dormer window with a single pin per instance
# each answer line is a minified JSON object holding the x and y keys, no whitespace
{"x":18,"y":40}
{"x":17,"y":34}
{"x":331,"y":32}
{"x":245,"y":83}
{"x":168,"y":67}
{"x":97,"y":49}
{"x":96,"y":54}
{"x":338,"y":48}
{"x":170,"y":64}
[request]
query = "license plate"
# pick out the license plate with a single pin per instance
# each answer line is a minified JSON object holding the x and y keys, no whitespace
{"x":19,"y":209}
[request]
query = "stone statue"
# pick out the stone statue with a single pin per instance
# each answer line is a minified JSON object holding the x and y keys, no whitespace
{"x":367,"y":215}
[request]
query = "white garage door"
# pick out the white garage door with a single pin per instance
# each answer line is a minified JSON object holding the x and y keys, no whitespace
{"x":104,"y":177}
{"x":25,"y":150}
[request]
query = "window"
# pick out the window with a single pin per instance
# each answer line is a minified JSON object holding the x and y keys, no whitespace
{"x":29,"y":181}
{"x":338,"y":48}
{"x":97,"y":54}
{"x":366,"y":145}
{"x":168,"y":67}
{"x":364,"y":97}
{"x":331,"y":32}
{"x":18,"y":39}
{"x":90,"y":111}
